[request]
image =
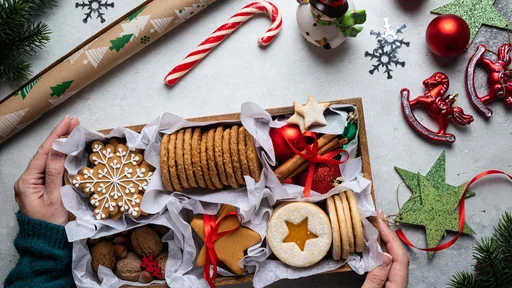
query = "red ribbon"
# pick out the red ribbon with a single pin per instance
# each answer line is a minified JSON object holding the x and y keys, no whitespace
{"x":462,"y":215}
{"x":313,"y":157}
{"x":211,"y":234}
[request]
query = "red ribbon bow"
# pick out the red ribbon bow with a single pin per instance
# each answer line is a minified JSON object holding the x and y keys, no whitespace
{"x":313,"y":157}
{"x":462,"y":215}
{"x":211,"y":234}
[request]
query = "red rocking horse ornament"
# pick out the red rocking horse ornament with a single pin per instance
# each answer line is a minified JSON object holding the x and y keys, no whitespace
{"x":499,"y":79}
{"x":439,"y":107}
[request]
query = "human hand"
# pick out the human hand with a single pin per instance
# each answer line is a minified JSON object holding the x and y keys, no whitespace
{"x":394,"y":271}
{"x":37,"y":191}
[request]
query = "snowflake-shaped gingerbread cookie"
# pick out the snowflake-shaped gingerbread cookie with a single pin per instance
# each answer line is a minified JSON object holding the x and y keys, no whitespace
{"x":116,"y":181}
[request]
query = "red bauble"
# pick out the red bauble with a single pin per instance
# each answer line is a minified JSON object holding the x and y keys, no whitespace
{"x":448,"y":35}
{"x":323,"y":179}
{"x":281,"y":148}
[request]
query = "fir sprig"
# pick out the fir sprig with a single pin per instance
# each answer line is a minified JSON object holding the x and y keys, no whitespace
{"x":21,"y":37}
{"x":493,"y":256}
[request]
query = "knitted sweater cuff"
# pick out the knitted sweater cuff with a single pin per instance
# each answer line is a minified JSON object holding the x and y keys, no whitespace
{"x":51,"y":234}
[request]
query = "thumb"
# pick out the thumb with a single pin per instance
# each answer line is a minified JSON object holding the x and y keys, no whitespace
{"x":54,"y":173}
{"x":379,"y":275}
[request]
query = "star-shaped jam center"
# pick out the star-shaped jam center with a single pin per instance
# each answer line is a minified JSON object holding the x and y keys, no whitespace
{"x":299,"y":233}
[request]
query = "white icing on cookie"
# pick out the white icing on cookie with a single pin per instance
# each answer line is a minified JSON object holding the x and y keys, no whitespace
{"x":115,"y":181}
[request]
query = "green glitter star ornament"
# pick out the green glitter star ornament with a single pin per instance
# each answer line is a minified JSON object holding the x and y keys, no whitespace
{"x":433,"y":203}
{"x":476,"y":13}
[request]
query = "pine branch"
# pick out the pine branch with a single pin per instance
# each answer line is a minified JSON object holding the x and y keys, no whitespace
{"x":34,"y":37}
{"x":38,"y":7}
{"x":493,"y":257}
{"x":12,"y":18}
{"x":463,"y":280}
{"x":487,"y":262}
{"x":14,"y":69}
{"x":20,"y":37}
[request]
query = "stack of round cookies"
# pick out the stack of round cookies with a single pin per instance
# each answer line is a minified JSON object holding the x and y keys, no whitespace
{"x":208,"y":158}
{"x":347,"y":228}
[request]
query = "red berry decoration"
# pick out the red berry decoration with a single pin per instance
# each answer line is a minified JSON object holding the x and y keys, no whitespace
{"x":281,"y":148}
{"x":150,"y":265}
{"x":323,"y":179}
{"x":448,"y":35}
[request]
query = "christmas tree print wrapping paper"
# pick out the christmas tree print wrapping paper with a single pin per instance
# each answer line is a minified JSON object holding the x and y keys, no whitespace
{"x":94,"y":58}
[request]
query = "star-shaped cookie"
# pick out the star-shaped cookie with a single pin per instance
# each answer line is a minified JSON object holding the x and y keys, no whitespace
{"x":309,"y":115}
{"x":296,"y":118}
{"x":475,"y":12}
{"x":230,"y":248}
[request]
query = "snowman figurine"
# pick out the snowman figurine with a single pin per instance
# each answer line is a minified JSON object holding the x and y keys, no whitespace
{"x":327,"y":23}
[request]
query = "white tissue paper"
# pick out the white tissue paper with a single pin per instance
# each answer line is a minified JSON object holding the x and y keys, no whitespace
{"x":86,"y":226}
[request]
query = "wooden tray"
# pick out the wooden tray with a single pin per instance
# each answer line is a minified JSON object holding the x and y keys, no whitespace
{"x":362,"y":150}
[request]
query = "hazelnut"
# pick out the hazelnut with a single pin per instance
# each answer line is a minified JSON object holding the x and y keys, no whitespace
{"x":93,"y":241}
{"x":129,"y":268}
{"x":103,"y":254}
{"x":145,"y":277}
{"x":161,"y":261}
{"x":146,"y":242}
{"x":120,"y":251}
{"x":161,"y":230}
{"x":121,"y":240}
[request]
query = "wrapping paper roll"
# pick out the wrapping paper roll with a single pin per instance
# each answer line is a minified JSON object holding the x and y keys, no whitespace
{"x":93,"y":58}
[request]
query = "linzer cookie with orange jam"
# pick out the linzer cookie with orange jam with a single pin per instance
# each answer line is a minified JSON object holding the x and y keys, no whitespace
{"x":116,"y":180}
{"x":299,"y":234}
{"x":214,"y":158}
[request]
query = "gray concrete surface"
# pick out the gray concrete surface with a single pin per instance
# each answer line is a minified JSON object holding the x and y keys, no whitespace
{"x":289,"y":69}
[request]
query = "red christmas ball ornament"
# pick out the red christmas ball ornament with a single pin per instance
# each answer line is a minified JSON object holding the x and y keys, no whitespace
{"x":281,"y":148}
{"x":448,"y":35}
{"x":323,"y":179}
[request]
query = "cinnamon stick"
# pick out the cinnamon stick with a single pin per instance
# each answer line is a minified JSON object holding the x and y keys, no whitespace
{"x":296,"y":161}
{"x":334,"y":144}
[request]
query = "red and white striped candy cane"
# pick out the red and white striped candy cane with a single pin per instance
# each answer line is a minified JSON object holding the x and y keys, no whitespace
{"x":224,"y":31}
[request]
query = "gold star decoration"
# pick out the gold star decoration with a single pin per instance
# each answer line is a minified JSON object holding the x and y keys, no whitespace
{"x":299,"y":233}
{"x":308,"y":115}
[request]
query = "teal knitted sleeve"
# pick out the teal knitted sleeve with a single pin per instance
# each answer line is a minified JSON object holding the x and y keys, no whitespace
{"x":45,"y":255}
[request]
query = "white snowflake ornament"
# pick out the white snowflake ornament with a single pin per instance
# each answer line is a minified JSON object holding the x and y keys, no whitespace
{"x":116,"y":182}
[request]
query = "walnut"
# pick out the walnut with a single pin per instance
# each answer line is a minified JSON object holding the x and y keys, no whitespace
{"x":102,"y":253}
{"x":160,"y":261}
{"x":129,"y":268}
{"x":146,"y":242}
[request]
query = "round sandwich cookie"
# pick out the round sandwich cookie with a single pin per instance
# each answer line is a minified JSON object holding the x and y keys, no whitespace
{"x":204,"y":162}
{"x":187,"y":158}
{"x":348,"y":220}
{"x":336,"y":234}
{"x":212,"y":165}
{"x":345,"y":248}
{"x":164,"y":163}
{"x":242,"y":153}
{"x":196,"y":157}
{"x":173,"y":170}
{"x":228,"y":162}
{"x":180,"y":161}
{"x":299,"y":234}
{"x":219,"y":159}
{"x":233,"y":146}
{"x":357,"y":225}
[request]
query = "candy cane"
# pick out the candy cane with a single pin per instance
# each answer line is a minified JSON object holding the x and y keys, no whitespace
{"x":224,"y":31}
